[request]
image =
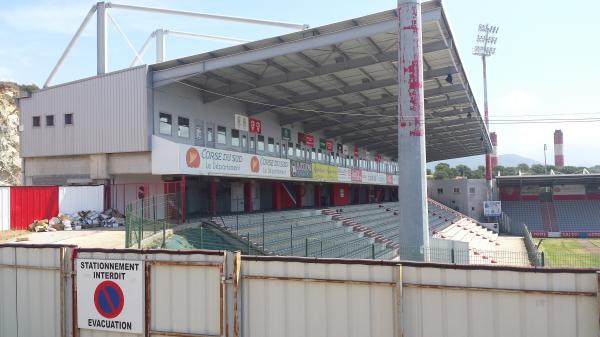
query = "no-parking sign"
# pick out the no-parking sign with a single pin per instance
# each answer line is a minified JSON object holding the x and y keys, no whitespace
{"x":110,"y":295}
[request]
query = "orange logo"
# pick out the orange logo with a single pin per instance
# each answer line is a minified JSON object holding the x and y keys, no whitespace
{"x":254,"y":164}
{"x":192,"y":158}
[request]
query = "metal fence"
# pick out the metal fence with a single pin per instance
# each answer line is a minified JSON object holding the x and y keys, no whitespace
{"x":151,"y":217}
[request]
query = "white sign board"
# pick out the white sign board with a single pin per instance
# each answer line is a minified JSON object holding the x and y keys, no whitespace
{"x":492,"y":208}
{"x":110,"y":295}
{"x":241,"y":122}
{"x":201,"y":160}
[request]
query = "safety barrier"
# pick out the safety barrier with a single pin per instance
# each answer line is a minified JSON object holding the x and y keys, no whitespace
{"x":217,"y":293}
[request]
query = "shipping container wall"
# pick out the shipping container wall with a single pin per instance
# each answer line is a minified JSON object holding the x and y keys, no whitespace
{"x":4,"y":208}
{"x":29,"y":203}
{"x":72,"y":199}
{"x":33,"y":300}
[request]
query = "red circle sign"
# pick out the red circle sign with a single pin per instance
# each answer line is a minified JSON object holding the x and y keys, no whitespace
{"x":109,"y":299}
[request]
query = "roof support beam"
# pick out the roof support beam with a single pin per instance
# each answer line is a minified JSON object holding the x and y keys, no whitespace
{"x":164,"y":77}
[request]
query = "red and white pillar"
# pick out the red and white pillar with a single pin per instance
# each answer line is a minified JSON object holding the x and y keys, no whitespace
{"x":494,"y":139}
{"x":413,"y":220}
{"x":559,"y":157}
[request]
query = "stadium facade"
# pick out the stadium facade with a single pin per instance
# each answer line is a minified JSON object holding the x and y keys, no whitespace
{"x":307,"y":119}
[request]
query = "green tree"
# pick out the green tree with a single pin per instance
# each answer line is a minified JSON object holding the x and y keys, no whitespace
{"x":523,"y":168}
{"x":442,"y":171}
{"x":538,"y":169}
{"x":464,"y":171}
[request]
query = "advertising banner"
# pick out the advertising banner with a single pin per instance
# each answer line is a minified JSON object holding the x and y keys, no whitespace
{"x":356,"y":175}
{"x":301,"y":139}
{"x":329,"y":145}
{"x":286,"y":134}
{"x":492,"y":208}
{"x":344,"y":175}
{"x":301,"y":169}
{"x":255,"y":125}
{"x":324,"y":172}
{"x":309,"y":140}
{"x":356,"y":151}
{"x":241,"y":122}
{"x":200,"y":160}
{"x":322,"y":144}
{"x":530,"y":190}
{"x":569,"y":190}
{"x":369,"y":177}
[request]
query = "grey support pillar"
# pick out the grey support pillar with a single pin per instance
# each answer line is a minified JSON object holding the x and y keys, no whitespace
{"x":101,"y":37}
{"x":160,"y":45}
{"x":412,"y":191}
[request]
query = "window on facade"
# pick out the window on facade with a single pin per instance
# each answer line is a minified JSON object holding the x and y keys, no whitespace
{"x":313,"y":155}
{"x":440,"y":191}
{"x":456,"y":190}
{"x":50,"y":120}
{"x":221,"y":135}
{"x":277,"y":149}
{"x":209,"y":135}
{"x":298,"y":152}
{"x":244,"y":141}
{"x":472,"y":208}
{"x":198,"y":133}
{"x":68,"y":119}
{"x":183,"y":127}
{"x":319,"y":155}
{"x":271,"y":144}
{"x":36,"y":121}
{"x":472,"y":190}
{"x":165,"y":122}
{"x":252,"y":143}
{"x":235,"y":137}
{"x":261,"y":143}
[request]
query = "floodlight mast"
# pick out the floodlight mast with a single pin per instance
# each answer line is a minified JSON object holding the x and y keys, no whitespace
{"x":486,"y":37}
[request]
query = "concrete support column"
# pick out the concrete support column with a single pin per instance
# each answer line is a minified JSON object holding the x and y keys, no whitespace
{"x":212,"y":190}
{"x":277,"y":195}
{"x":101,"y":39}
{"x":248,"y":191}
{"x":299,"y":194}
{"x":318,"y":196}
{"x":160,"y":45}
{"x":413,"y":225}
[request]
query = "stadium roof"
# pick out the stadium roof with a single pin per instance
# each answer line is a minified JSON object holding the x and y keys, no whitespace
{"x":548,"y":179}
{"x":342,"y":79}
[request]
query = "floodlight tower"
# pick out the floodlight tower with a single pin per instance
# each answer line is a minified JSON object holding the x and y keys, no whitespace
{"x":484,"y":47}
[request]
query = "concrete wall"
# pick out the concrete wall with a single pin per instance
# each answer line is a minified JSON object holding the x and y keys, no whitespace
{"x":110,"y":114}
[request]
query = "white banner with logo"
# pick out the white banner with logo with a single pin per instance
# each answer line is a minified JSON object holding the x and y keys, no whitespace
{"x":344,"y":175}
{"x":492,"y":208}
{"x":369,"y":177}
{"x":174,"y":158}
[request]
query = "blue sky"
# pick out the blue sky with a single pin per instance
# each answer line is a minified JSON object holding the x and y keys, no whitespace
{"x":545,"y":62}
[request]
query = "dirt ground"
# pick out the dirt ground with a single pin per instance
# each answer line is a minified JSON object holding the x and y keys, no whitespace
{"x":96,"y":238}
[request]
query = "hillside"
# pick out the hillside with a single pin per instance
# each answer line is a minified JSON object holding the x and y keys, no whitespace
{"x":10,"y":163}
{"x":474,"y":161}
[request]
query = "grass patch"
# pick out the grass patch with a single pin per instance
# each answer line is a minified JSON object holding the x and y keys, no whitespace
{"x":569,"y":253}
{"x":8,"y":235}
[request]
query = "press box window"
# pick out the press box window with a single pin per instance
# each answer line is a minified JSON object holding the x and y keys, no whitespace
{"x":68,"y":119}
{"x":235,"y":137}
{"x":271,"y":144}
{"x":36,"y":121}
{"x":261,"y":143}
{"x":183,"y":127}
{"x":165,"y":121}
{"x":209,"y":135}
{"x":290,"y":149}
{"x":456,"y":190}
{"x":221,"y":135}
{"x":50,"y":120}
{"x":472,"y":190}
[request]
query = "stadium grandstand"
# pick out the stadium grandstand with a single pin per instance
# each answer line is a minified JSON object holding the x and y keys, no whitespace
{"x":552,"y":205}
{"x":284,"y":146}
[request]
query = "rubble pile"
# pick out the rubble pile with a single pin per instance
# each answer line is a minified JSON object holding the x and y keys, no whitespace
{"x":110,"y":218}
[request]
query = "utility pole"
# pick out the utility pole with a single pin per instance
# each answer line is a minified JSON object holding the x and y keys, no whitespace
{"x":486,"y":38}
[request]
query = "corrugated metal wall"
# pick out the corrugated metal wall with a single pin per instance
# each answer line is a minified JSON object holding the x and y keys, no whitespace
{"x":110,"y":115}
{"x":4,"y":208}
{"x":29,"y":203}
{"x":72,"y":199}
{"x":32,"y":298}
{"x":216,"y":294}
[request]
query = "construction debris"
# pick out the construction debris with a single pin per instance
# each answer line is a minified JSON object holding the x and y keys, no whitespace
{"x":111,"y":218}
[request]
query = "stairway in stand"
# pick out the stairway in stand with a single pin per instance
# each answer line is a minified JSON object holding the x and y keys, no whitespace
{"x":549,"y":216}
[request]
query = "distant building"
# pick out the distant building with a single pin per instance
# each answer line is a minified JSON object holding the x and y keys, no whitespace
{"x":463,"y":195}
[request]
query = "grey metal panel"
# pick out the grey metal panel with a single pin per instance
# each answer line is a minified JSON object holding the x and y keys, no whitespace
{"x":30,"y":292}
{"x":110,"y":115}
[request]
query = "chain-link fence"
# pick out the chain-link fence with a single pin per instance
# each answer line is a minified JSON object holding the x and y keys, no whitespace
{"x":151,"y":217}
